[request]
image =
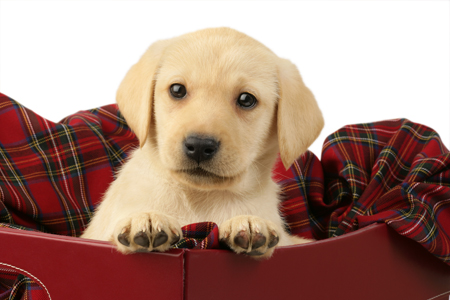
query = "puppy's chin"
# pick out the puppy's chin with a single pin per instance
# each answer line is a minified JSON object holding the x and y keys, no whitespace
{"x":204,"y":180}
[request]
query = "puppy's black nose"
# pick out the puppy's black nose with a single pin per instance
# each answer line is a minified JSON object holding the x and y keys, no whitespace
{"x":200,"y":149}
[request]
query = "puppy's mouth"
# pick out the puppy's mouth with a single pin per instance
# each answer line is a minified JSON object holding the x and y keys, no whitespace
{"x":204,"y":179}
{"x":200,"y":172}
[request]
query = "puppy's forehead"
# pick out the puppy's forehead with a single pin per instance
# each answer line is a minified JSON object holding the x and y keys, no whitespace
{"x":218,"y":56}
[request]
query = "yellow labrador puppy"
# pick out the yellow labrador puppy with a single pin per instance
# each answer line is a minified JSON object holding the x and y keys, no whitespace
{"x":211,"y":110}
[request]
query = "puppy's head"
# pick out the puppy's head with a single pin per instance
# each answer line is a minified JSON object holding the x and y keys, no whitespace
{"x":211,"y":104}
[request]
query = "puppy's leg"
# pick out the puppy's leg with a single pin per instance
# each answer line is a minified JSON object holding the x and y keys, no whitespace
{"x":250,"y":235}
{"x":146,"y":231}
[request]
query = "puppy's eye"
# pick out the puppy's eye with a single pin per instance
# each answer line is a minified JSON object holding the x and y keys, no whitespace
{"x":246,"y":100}
{"x":178,"y":91}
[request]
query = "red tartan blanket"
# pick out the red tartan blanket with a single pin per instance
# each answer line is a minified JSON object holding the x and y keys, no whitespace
{"x":52,"y":176}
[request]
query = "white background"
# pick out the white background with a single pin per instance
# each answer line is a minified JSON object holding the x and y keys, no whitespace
{"x":364,"y":60}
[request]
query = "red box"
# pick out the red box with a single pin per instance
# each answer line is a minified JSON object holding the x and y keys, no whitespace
{"x":371,"y":263}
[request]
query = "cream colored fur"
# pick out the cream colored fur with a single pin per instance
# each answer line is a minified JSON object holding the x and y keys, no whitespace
{"x":151,"y":194}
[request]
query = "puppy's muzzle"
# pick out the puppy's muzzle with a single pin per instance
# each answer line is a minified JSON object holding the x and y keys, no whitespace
{"x":199,"y":148}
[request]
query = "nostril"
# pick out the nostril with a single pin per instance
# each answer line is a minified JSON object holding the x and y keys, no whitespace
{"x":209,"y":151}
{"x":190,"y":148}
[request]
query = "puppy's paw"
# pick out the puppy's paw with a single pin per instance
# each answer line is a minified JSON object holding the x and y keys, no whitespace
{"x":250,"y":235}
{"x":147,"y":231}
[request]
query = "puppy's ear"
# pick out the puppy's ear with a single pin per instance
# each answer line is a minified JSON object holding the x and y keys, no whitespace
{"x":135,"y":93}
{"x":299,"y":117}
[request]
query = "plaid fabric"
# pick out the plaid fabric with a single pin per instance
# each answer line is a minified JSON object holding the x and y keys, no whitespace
{"x":16,"y":286}
{"x":52,"y":176}
{"x":203,"y":235}
{"x":396,"y":172}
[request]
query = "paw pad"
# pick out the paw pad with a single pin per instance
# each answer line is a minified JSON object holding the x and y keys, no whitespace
{"x":141,"y":239}
{"x":149,"y":231}
{"x":249,"y":235}
{"x":241,"y":239}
